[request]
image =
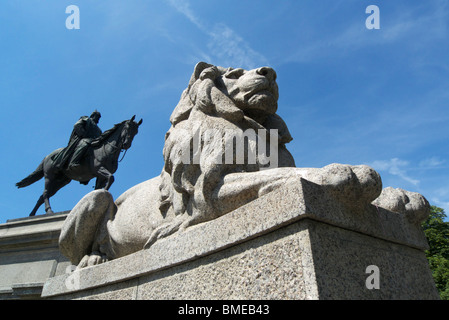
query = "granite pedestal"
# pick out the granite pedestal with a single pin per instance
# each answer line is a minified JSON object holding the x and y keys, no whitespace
{"x":293,"y":243}
{"x":29,"y":255}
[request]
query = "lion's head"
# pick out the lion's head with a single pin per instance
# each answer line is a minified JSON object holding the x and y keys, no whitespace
{"x":255,"y":92}
{"x":222,"y":100}
{"x":229,"y":93}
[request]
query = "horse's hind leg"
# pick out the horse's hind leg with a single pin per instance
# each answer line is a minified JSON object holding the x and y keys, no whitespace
{"x":37,"y":206}
{"x":51,"y":187}
{"x":42,"y":199}
{"x":47,"y":203}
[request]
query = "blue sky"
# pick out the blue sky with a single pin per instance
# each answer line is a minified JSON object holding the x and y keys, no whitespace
{"x":348,"y":94}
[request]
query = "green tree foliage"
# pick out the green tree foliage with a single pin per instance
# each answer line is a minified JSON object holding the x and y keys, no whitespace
{"x":437,"y":233}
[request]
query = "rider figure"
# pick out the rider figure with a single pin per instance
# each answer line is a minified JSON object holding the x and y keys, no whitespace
{"x":84,"y":131}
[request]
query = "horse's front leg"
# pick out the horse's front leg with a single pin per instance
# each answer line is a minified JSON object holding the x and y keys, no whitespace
{"x":104,"y":179}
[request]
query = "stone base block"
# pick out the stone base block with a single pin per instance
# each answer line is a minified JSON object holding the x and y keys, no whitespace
{"x":303,"y":247}
{"x":29,"y":255}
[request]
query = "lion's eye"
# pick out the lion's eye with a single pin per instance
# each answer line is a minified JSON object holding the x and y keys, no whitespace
{"x":234,"y":74}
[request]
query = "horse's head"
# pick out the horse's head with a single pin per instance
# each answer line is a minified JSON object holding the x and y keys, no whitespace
{"x":130,"y":129}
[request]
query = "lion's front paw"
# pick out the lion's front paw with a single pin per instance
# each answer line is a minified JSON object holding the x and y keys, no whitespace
{"x":413,"y":205}
{"x":92,"y":259}
{"x":354,"y":186}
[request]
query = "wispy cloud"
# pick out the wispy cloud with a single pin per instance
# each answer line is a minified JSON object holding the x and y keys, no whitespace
{"x":232,"y":49}
{"x":431,"y":163}
{"x":225,"y":45}
{"x":405,"y":27}
{"x":440,"y":198}
{"x":183,"y":6}
{"x":396,"y":167}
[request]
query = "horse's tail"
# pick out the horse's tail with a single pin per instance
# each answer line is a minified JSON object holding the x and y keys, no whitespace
{"x":32,"y":178}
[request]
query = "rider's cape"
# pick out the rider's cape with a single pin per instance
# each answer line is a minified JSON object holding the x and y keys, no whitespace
{"x":83,"y":128}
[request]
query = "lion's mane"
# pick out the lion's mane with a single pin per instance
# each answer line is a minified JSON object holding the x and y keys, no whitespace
{"x":194,"y":188}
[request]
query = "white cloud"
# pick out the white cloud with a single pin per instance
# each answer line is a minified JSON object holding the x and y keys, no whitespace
{"x":396,"y":167}
{"x":183,"y":6}
{"x":431,"y":181}
{"x":433,"y":162}
{"x":225,"y":45}
{"x":405,"y":26}
{"x":440,"y":198}
{"x":231,"y":49}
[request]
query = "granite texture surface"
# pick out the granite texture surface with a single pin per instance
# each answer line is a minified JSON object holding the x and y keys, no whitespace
{"x":292,"y":243}
{"x":29,"y":255}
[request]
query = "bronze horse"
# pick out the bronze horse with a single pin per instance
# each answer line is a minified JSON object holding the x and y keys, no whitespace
{"x":100,"y":161}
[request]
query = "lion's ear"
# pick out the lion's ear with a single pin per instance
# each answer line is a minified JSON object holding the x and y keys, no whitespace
{"x":225,"y":107}
{"x":200,"y":66}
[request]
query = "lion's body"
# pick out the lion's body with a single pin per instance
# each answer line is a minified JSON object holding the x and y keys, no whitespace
{"x":189,"y":192}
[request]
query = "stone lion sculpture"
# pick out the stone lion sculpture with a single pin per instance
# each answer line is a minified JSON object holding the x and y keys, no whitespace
{"x":201,"y":181}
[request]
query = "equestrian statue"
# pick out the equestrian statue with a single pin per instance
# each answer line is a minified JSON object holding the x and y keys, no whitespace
{"x":89,"y":154}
